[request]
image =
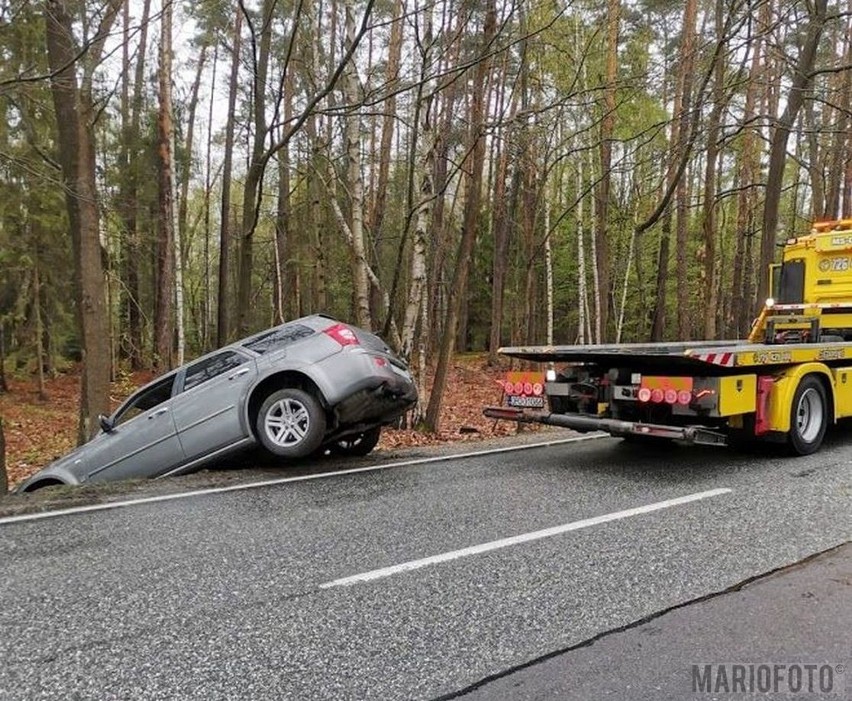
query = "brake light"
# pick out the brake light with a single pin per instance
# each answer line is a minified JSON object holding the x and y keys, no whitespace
{"x":684,"y":397}
{"x":343,"y":335}
{"x":671,"y":396}
{"x":657,"y":395}
{"x":522,"y":389}
{"x":644,"y":395}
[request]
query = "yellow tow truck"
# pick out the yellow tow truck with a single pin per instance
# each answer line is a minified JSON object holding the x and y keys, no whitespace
{"x":786,"y":383}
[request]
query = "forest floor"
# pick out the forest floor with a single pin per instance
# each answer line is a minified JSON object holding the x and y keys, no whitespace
{"x":39,"y":430}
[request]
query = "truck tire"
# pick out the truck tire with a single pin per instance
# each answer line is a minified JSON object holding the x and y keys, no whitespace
{"x":290,"y":423}
{"x":808,"y":417}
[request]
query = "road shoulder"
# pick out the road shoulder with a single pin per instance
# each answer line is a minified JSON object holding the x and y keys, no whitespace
{"x":797,"y":616}
{"x":245,"y":470}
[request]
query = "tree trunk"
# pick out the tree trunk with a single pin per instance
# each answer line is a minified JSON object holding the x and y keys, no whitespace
{"x":39,"y":328}
{"x":747,"y":175}
{"x":355,"y":185}
{"x":658,"y":325}
{"x":685,"y":77}
{"x":130,"y":159}
{"x":4,"y":477}
{"x":602,"y":263}
{"x":75,"y":116}
{"x":4,"y":386}
{"x":449,"y":93}
{"x":282,"y":294}
{"x":548,"y":275}
{"x":802,"y":78}
{"x":710,"y":288}
{"x":583,"y":335}
{"x":840,"y":84}
{"x":165,"y":308}
{"x":225,"y":234}
{"x":501,"y":251}
{"x":425,"y":169}
{"x":377,"y":211}
{"x":473,"y":178}
{"x":206,"y":335}
{"x":253,"y":189}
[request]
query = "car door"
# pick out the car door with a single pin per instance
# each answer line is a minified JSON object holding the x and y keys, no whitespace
{"x":143,"y":439}
{"x":208,"y":410}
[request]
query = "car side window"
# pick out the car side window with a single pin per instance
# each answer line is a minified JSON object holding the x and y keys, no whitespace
{"x":198,"y":373}
{"x":147,"y":399}
{"x":279,"y":338}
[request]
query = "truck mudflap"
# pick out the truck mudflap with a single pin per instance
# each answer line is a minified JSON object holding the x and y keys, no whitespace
{"x":615,"y":427}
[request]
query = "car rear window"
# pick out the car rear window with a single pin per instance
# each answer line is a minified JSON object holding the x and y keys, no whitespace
{"x":278,"y":338}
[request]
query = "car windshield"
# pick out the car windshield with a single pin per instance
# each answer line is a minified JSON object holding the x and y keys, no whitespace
{"x":278,"y":338}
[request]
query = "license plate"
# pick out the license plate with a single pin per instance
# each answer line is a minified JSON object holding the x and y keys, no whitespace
{"x":522,"y":402}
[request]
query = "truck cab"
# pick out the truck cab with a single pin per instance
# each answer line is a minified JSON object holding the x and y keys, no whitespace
{"x":811,"y":289}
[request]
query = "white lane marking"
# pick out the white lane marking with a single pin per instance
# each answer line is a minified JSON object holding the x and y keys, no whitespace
{"x":285,"y":480}
{"x":517,"y":539}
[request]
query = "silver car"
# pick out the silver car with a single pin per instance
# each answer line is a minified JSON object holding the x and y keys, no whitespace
{"x":293,"y":389}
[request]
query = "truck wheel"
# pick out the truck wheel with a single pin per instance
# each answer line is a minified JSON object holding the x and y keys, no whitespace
{"x":808,"y":417}
{"x":290,"y":423}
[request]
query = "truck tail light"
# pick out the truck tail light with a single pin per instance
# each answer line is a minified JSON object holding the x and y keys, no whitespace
{"x":343,"y":335}
{"x":657,"y":395}
{"x":684,"y":397}
{"x":644,"y":395}
{"x":671,"y":396}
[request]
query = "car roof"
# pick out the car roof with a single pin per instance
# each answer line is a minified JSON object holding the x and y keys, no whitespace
{"x":309,"y":320}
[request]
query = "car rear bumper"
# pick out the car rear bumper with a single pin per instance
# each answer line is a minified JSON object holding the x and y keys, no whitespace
{"x":380,"y":400}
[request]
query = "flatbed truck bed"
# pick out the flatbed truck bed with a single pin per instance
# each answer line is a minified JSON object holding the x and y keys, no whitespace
{"x":788,"y":382}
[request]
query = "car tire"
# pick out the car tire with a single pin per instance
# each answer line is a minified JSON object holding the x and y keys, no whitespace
{"x":291,"y":423}
{"x":808,"y":417}
{"x":357,"y":445}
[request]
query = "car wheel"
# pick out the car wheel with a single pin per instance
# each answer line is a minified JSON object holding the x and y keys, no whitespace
{"x":808,"y":417}
{"x":358,"y":445}
{"x":291,"y":423}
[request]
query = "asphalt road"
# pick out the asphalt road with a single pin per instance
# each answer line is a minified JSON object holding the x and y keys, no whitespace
{"x":301,"y":590}
{"x":788,"y":632}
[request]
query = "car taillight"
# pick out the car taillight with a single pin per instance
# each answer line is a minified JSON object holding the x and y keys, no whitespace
{"x":343,"y":335}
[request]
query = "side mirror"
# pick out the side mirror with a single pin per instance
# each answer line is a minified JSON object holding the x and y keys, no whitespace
{"x":106,"y":423}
